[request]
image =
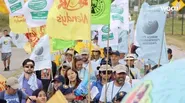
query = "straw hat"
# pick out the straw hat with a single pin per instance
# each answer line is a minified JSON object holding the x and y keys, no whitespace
{"x":84,"y":51}
{"x":70,"y":52}
{"x":96,"y":48}
{"x":104,"y":68}
{"x":120,"y":68}
{"x":130,"y":57}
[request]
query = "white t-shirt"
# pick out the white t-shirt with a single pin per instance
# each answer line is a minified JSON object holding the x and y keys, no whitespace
{"x":112,"y":93}
{"x":122,"y":61}
{"x":136,"y":73}
{"x":97,"y":61}
{"x":6,"y":44}
{"x":94,"y":71}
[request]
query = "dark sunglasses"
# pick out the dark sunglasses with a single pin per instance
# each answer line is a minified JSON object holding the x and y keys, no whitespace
{"x":29,"y":66}
{"x":108,"y":72}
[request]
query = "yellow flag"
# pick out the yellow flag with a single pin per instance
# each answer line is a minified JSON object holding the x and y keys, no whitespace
{"x":18,"y":24}
{"x":58,"y":97}
{"x":57,"y":59}
{"x":79,"y":46}
{"x":69,"y":20}
{"x":2,"y":83}
{"x":3,"y":8}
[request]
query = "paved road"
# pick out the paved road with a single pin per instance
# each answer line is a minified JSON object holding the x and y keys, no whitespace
{"x":18,"y":55}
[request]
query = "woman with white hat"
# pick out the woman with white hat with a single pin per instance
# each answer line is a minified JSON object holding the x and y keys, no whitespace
{"x":134,"y":72}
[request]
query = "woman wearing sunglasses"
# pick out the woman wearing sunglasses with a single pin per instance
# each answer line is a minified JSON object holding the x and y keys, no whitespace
{"x":99,"y":84}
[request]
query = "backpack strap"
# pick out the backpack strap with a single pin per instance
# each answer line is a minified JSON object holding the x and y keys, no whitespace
{"x":19,"y":92}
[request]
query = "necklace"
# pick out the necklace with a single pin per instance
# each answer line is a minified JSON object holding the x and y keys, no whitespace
{"x":113,"y":89}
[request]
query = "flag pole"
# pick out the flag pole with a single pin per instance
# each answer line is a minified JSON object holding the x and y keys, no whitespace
{"x":129,"y":51}
{"x":29,"y":39}
{"x":161,"y":50}
{"x":90,"y":47}
{"x":107,"y":62}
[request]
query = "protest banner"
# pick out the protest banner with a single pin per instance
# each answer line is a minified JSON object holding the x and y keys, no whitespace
{"x":69,"y":20}
{"x":100,"y":11}
{"x":41,"y":54}
{"x":36,"y":12}
{"x":15,"y":7}
{"x":150,"y":32}
{"x":19,"y":40}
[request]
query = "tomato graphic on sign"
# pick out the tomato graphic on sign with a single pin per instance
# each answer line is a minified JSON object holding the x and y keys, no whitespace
{"x":72,"y":5}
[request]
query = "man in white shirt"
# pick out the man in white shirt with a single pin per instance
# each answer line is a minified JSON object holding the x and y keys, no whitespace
{"x":85,"y":58}
{"x":96,"y":55}
{"x":133,"y":72}
{"x":6,"y":41}
{"x":116,"y":86}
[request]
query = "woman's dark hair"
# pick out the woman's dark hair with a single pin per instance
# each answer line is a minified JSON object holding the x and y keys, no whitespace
{"x":37,"y":91}
{"x":77,"y":78}
{"x":26,"y":61}
{"x":76,"y":59}
{"x":62,"y":67}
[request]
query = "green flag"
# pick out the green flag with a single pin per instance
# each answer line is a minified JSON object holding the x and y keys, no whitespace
{"x":59,"y":44}
{"x":100,"y":11}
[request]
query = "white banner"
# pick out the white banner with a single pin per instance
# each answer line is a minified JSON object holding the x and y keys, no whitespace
{"x":15,"y":7}
{"x":19,"y":40}
{"x":150,"y":31}
{"x":41,"y":54}
{"x":120,"y":14}
{"x":103,"y":36}
{"x":36,"y":12}
{"x":131,"y":31}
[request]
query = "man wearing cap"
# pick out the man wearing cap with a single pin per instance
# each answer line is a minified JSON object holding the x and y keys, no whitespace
{"x":99,"y":83}
{"x":69,"y":57}
{"x":105,"y":59}
{"x":57,"y":82}
{"x":115,"y":56}
{"x":133,"y":72}
{"x":11,"y":94}
{"x":85,"y":58}
{"x":96,"y":55}
{"x":116,"y":86}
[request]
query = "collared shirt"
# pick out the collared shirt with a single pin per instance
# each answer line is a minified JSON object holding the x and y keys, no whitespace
{"x":27,"y":88}
{"x":112,"y":90}
{"x":122,"y":61}
{"x":136,"y":73}
{"x":97,"y":61}
{"x":81,"y":73}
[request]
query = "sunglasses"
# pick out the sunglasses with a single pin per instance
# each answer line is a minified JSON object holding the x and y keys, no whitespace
{"x":29,"y":66}
{"x":108,"y":72}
